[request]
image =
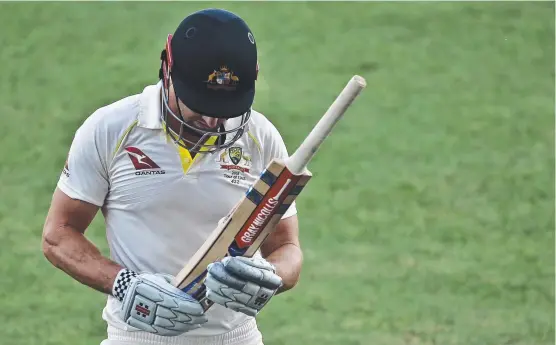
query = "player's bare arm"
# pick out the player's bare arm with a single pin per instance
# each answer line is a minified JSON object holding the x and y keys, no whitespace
{"x":282,"y":249}
{"x":66,"y":247}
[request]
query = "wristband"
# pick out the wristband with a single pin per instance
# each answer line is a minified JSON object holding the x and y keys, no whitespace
{"x":122,"y":282}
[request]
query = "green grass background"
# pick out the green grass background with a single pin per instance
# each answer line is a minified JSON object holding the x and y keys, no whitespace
{"x":430,"y":216}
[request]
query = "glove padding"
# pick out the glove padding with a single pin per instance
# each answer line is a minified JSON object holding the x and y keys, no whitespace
{"x":242,"y":284}
{"x":153,"y":304}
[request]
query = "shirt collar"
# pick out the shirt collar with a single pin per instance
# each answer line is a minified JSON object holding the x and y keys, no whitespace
{"x":150,"y":107}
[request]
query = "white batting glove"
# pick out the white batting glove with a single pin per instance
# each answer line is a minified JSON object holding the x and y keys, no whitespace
{"x":242,"y":284}
{"x":151,"y":303}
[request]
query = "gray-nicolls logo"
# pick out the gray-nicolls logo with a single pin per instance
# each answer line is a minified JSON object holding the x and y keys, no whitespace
{"x":263,"y":215}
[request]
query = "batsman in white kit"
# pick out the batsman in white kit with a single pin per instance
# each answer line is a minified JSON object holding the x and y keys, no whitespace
{"x":199,"y":206}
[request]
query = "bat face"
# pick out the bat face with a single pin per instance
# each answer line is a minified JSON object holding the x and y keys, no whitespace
{"x":267,"y":204}
{"x":244,"y":229}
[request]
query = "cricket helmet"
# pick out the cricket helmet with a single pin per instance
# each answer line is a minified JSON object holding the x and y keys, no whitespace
{"x":211,"y":61}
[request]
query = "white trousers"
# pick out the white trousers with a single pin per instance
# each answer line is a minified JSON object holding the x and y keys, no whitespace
{"x":118,"y":342}
{"x":246,"y":334}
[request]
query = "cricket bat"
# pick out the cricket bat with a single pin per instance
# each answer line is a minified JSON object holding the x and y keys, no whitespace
{"x":254,"y":217}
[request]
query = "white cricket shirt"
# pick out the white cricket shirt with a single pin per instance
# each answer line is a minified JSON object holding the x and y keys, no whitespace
{"x":158,"y":205}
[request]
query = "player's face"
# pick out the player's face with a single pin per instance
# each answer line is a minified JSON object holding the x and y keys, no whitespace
{"x":199,"y":121}
{"x":193,"y":130}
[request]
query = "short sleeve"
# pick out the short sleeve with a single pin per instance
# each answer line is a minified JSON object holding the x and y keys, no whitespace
{"x":85,"y":175}
{"x":274,"y":147}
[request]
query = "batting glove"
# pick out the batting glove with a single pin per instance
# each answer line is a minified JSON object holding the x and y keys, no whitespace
{"x":242,"y":284}
{"x":151,"y":303}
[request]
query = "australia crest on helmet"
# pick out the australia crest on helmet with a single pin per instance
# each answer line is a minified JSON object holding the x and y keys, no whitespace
{"x":222,"y":79}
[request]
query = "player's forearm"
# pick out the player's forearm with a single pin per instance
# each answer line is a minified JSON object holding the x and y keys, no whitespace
{"x":288,"y":260}
{"x":73,"y":253}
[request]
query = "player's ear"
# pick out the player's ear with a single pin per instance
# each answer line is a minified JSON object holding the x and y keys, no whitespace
{"x":163,"y":57}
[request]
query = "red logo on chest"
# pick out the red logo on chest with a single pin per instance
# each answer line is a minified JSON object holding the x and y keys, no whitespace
{"x":142,"y":162}
{"x":139,"y":159}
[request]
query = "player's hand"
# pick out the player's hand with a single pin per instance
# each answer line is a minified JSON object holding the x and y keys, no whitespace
{"x":242,"y":284}
{"x":151,"y":303}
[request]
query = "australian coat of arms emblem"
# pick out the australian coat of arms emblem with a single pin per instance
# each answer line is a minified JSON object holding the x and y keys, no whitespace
{"x":222,"y":78}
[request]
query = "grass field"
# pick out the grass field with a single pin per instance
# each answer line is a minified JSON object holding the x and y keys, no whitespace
{"x":430,"y":217}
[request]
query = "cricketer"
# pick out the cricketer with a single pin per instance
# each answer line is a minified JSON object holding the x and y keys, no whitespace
{"x":164,"y":166}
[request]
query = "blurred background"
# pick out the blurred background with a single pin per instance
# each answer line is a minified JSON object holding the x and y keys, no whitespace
{"x":430,"y":216}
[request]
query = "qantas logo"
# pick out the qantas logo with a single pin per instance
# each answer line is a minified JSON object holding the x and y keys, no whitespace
{"x":142,"y":163}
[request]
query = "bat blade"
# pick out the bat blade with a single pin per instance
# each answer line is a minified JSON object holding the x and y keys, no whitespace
{"x":243,"y":230}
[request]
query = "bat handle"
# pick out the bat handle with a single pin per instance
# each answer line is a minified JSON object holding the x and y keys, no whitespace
{"x":303,"y":155}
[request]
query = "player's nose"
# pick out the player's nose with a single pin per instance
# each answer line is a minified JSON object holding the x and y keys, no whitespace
{"x":212,"y":122}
